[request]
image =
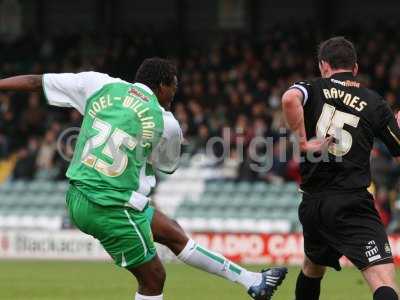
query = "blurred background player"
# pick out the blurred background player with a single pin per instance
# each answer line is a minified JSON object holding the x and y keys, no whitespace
{"x":127,"y":131}
{"x":337,"y":212}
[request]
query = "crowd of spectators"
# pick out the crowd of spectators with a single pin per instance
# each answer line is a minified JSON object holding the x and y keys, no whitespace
{"x":230,"y":89}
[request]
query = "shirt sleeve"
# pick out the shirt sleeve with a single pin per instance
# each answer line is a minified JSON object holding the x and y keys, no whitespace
{"x":166,"y":155}
{"x":388,"y":131}
{"x":73,"y":89}
{"x":305,"y":88}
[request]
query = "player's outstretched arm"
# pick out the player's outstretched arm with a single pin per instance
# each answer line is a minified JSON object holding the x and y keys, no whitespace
{"x":27,"y":83}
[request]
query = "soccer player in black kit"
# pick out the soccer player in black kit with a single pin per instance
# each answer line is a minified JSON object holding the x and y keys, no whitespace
{"x":338,"y":118}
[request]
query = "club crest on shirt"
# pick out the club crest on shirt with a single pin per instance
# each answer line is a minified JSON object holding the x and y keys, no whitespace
{"x":387,"y":248}
{"x":135,"y":93}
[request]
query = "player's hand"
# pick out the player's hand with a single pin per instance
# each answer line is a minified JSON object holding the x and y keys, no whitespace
{"x":316,"y":145}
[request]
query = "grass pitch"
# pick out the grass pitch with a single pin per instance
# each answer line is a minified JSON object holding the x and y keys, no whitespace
{"x":55,"y":280}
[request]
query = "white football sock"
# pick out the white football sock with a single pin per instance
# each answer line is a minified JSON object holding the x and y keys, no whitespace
{"x":211,"y":262}
{"x":142,"y":297}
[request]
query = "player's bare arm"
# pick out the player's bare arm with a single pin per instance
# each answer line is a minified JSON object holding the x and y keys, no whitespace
{"x":293,"y":111}
{"x":294,"y":114}
{"x":26,"y":83}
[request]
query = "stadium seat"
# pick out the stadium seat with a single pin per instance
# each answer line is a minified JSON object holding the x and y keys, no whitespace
{"x":244,"y":188}
{"x":213,"y":186}
{"x":228,"y":187}
{"x":260,"y":187}
{"x":215,"y":205}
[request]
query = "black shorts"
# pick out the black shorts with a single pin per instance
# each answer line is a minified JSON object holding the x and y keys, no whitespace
{"x":337,"y":224}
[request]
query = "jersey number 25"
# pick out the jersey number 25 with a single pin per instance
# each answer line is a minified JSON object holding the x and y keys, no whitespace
{"x":331,"y":122}
{"x":112,"y":149}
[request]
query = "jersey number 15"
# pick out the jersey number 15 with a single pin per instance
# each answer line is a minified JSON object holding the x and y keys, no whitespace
{"x":331,"y":122}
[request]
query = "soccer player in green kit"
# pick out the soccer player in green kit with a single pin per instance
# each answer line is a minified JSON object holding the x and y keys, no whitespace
{"x":127,"y":132}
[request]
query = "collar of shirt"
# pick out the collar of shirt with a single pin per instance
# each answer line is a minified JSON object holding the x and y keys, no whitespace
{"x":343,"y":75}
{"x":144,"y":87}
{"x":148,"y":90}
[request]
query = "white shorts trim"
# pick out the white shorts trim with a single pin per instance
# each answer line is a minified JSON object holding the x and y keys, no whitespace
{"x":137,"y":231}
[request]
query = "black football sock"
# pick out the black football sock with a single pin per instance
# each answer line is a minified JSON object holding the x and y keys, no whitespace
{"x":308,"y":288}
{"x":385,"y":293}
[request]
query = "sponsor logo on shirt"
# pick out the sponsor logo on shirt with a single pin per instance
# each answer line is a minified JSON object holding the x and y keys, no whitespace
{"x":135,"y":93}
{"x":346,"y":83}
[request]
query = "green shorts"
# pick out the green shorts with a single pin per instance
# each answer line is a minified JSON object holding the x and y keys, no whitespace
{"x":124,"y":233}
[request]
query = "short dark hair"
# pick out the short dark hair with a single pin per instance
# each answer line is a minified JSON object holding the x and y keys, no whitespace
{"x":155,"y":71}
{"x":339,"y":52}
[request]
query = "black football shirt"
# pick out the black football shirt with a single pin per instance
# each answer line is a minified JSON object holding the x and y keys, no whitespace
{"x":353,"y":115}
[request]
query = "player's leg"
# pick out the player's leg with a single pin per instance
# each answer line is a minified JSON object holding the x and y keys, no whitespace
{"x":150,"y":277}
{"x":381,"y":280}
{"x":308,"y":284}
{"x":126,"y":236}
{"x":369,"y":250}
{"x":131,"y":246}
{"x":318,"y":252}
{"x":169,"y":233}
